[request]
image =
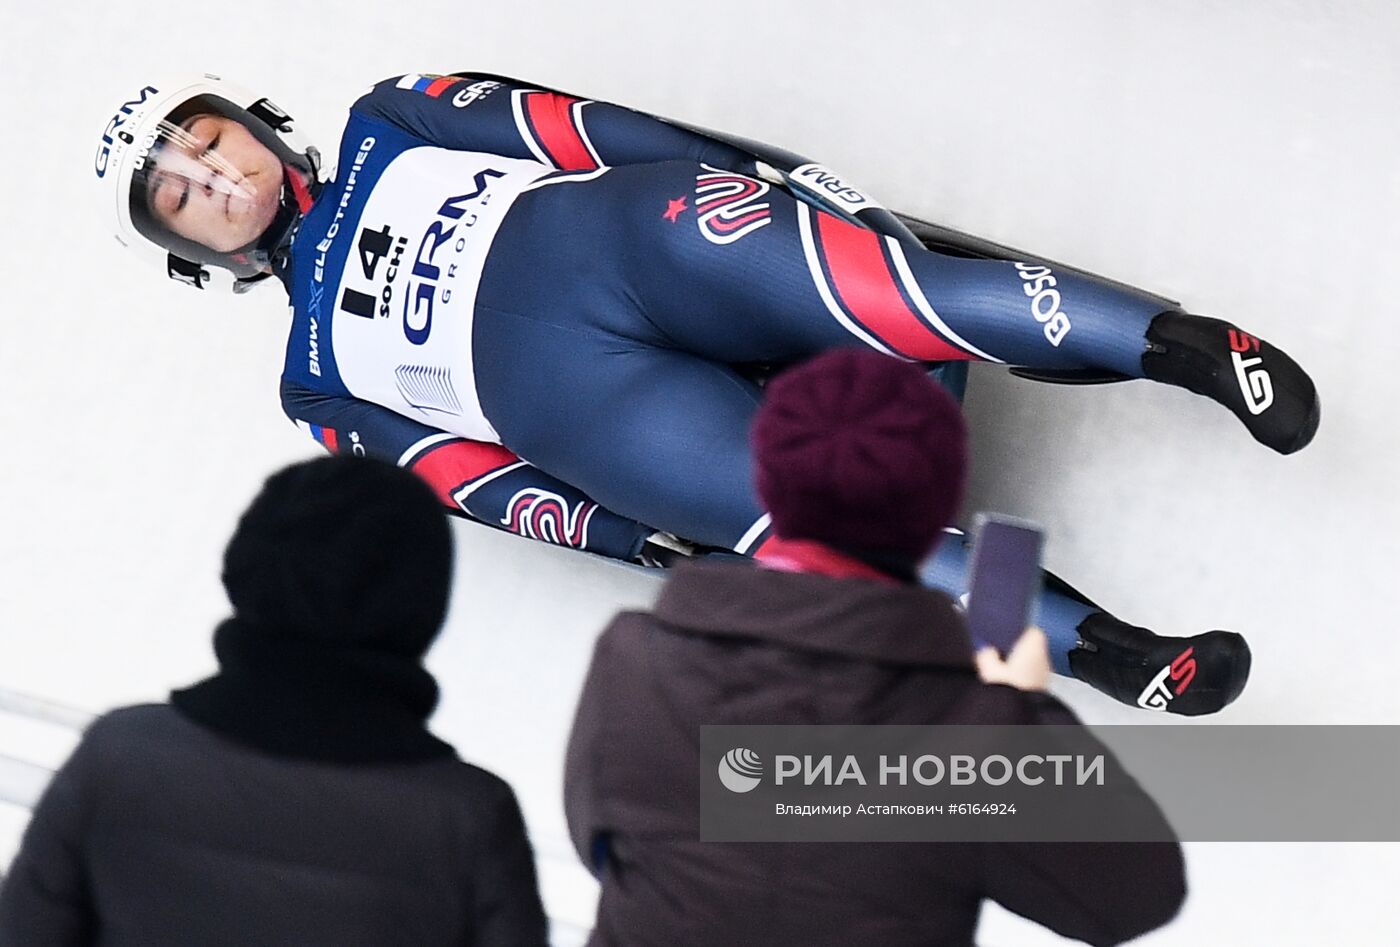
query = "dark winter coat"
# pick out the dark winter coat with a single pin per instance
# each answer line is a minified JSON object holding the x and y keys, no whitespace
{"x":733,"y":644}
{"x":160,"y":832}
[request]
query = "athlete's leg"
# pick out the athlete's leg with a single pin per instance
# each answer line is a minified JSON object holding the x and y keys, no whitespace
{"x":1196,"y":675}
{"x":747,"y":273}
{"x":736,"y":271}
{"x":1057,"y":614}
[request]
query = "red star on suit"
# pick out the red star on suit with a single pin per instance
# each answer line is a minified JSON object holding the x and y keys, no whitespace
{"x":674,"y":209}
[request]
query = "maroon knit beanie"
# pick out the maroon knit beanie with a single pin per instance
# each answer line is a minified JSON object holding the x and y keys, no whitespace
{"x":862,"y":452}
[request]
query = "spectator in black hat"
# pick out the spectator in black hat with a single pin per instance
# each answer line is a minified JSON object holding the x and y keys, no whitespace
{"x":297,"y":796}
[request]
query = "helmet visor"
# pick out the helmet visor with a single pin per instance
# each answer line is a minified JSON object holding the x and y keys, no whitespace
{"x":215,"y":184}
{"x":209,"y":179}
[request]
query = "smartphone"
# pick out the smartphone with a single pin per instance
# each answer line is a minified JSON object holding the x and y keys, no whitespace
{"x":1005,"y":579}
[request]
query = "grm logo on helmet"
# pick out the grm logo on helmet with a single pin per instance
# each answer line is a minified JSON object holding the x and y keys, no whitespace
{"x":104,"y":150}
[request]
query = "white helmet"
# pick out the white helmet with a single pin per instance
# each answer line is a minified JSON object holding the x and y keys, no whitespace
{"x":148,"y":141}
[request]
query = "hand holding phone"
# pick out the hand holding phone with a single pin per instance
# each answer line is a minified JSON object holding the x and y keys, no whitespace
{"x":1026,"y":668}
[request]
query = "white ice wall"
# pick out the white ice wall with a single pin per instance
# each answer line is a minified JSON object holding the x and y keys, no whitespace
{"x":1241,"y":157}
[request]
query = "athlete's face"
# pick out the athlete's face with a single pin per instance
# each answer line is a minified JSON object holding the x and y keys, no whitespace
{"x":215,"y":183}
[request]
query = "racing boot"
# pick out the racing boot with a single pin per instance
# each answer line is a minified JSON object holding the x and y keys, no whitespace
{"x":1265,"y":388}
{"x":1189,"y":676}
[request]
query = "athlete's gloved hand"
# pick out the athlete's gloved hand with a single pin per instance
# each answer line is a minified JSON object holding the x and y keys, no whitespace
{"x":662,"y":550}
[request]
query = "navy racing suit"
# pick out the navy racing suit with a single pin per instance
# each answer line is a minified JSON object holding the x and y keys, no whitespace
{"x":548,"y":308}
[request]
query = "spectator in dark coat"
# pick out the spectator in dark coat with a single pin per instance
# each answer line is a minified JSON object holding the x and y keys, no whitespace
{"x":297,"y":797}
{"x":860,"y":461}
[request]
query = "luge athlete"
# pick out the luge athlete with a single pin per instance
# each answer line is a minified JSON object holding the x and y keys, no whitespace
{"x":553,"y":308}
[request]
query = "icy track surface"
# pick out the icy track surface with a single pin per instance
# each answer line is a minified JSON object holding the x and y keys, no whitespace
{"x":1240,"y":157}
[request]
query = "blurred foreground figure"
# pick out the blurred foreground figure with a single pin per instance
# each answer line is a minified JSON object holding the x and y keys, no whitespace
{"x":296,"y":797}
{"x":861,"y":460}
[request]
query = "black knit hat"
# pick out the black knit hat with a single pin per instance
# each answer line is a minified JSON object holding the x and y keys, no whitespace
{"x":343,"y":551}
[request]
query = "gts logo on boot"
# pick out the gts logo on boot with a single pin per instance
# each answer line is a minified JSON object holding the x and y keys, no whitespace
{"x":1255,"y":384}
{"x":1157,"y":694}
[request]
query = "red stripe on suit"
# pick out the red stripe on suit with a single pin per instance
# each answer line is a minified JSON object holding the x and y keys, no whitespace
{"x":448,"y":466}
{"x":552,"y":120}
{"x":869,"y":290}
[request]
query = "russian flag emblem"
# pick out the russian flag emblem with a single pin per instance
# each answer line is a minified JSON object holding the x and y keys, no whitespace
{"x":430,"y":85}
{"x":324,"y":436}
